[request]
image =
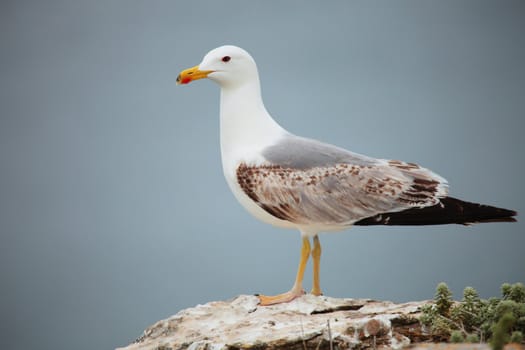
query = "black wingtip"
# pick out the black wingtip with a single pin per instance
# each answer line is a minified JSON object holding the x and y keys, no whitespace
{"x":448,"y":211}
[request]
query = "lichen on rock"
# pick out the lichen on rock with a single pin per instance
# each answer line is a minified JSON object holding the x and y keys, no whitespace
{"x":308,"y":322}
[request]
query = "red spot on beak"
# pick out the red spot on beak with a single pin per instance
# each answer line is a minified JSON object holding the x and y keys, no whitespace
{"x":185,"y":80}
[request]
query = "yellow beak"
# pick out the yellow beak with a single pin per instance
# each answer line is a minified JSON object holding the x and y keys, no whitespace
{"x":190,"y":74}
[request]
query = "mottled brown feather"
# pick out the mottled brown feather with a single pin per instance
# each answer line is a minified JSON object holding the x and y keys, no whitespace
{"x":337,"y":195}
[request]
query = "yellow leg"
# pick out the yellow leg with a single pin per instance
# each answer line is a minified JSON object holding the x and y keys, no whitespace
{"x":297,"y":289}
{"x":316,"y":257}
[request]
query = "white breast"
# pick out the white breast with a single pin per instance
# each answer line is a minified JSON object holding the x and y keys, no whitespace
{"x":246,"y":130}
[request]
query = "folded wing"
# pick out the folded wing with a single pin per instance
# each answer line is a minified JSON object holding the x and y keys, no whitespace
{"x":323,"y":184}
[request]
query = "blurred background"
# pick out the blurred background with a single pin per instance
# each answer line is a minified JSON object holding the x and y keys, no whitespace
{"x":113,"y":208}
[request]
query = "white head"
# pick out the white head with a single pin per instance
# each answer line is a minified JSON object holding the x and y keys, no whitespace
{"x":228,"y":66}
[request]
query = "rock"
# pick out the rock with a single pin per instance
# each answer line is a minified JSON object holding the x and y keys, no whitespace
{"x":465,"y":346}
{"x":308,"y":322}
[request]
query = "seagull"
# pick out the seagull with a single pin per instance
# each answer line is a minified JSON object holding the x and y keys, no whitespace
{"x":299,"y":183}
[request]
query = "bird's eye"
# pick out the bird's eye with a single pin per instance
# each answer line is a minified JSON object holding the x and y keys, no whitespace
{"x":226,"y":59}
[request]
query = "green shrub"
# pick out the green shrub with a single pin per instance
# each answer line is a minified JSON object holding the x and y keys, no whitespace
{"x":472,"y":338}
{"x":456,"y":337}
{"x":505,"y":290}
{"x":500,"y":331}
{"x":498,"y":320}
{"x":443,"y":299}
{"x":517,"y":293}
{"x":516,"y":337}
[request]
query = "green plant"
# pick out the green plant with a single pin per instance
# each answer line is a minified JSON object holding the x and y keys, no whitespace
{"x":472,"y":338}
{"x":515,"y":292}
{"x":516,"y":337}
{"x":469,"y":310}
{"x":443,"y":299}
{"x":435,"y":316}
{"x":498,"y":320}
{"x":501,"y":331}
{"x":505,"y":290}
{"x":456,"y":337}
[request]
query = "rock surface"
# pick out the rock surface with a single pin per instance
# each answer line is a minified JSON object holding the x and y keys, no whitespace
{"x":308,"y":322}
{"x":465,"y":346}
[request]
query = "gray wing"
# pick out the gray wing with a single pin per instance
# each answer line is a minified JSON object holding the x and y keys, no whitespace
{"x":303,"y":153}
{"x":308,"y":182}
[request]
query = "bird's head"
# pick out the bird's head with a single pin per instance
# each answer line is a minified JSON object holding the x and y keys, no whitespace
{"x":226,"y":65}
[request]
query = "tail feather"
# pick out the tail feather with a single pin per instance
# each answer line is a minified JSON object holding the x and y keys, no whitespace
{"x":448,"y":211}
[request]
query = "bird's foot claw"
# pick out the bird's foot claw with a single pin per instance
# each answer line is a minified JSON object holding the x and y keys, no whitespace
{"x":265,"y":300}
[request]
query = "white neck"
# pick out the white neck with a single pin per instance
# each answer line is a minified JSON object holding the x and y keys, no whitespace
{"x":246,"y":126}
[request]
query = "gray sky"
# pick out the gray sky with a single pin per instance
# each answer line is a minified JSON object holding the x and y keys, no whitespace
{"x":113,"y":209}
